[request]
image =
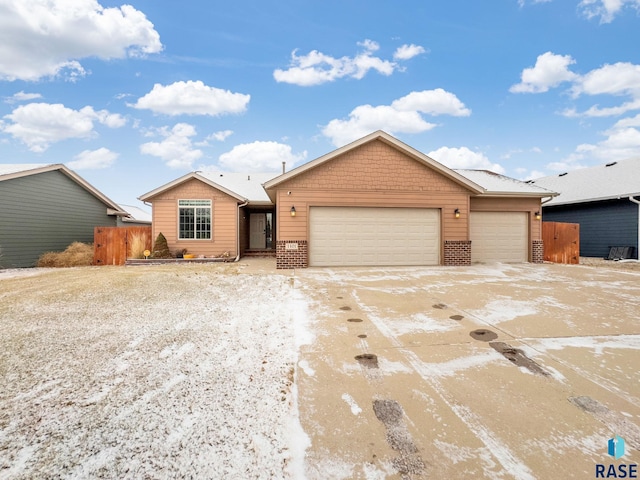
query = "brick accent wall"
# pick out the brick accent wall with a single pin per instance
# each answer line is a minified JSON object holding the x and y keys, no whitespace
{"x":537,"y":251}
{"x":457,"y":252}
{"x":292,"y":258}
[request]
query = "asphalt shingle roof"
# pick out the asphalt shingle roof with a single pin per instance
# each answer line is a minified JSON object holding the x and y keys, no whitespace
{"x":604,"y":182}
{"x":495,"y":183}
{"x":246,"y":185}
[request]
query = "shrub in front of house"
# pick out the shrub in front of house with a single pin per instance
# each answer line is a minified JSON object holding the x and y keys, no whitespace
{"x":160,"y":247}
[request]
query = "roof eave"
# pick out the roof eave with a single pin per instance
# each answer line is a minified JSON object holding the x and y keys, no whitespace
{"x":389,"y":140}
{"x":261,"y":203}
{"x":111,"y":205}
{"x":520,"y":194}
{"x":600,"y":199}
{"x":193,"y":175}
{"x":32,"y":171}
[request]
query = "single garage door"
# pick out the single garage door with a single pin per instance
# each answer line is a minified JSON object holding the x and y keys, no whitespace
{"x":499,"y":237}
{"x":358,"y":236}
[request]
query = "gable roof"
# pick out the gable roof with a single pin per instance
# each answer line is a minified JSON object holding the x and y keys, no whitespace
{"x":17,"y":170}
{"x":495,"y":184}
{"x":613,"y":180}
{"x":244,"y":187}
{"x":389,"y":140}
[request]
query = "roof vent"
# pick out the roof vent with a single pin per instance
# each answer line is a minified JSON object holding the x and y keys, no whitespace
{"x":610,"y":164}
{"x":249,"y":177}
{"x":221,"y":175}
{"x":563,"y":174}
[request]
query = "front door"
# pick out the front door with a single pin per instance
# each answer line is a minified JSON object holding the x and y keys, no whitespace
{"x":257,"y":230}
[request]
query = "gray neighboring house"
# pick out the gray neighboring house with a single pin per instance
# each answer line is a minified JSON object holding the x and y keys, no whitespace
{"x":45,"y":208}
{"x":604,"y":200}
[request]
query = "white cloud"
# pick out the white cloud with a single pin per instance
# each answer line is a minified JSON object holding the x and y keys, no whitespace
{"x":176,"y":148}
{"x":549,"y":71}
{"x":404,"y":115}
{"x":366,"y":119}
{"x":260,"y":157}
{"x":38,"y":125}
{"x":596,"y":111}
{"x":622,"y":141}
{"x":432,"y":102}
{"x":93,"y":159}
{"x":606,"y":9}
{"x":192,"y":98}
{"x":526,"y":174}
{"x":522,"y":3}
{"x":21,"y":96}
{"x":41,"y":38}
{"x":621,"y":78}
{"x":406,"y":52}
{"x":617,"y":80}
{"x":220,"y":136}
{"x":316,"y":68}
{"x":464,"y":158}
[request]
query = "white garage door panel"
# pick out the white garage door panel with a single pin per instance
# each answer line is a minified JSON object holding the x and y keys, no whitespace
{"x":499,"y":237}
{"x":352,"y":236}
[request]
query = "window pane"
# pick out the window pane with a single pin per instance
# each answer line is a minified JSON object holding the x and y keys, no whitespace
{"x":187,"y":223}
{"x":203,"y":223}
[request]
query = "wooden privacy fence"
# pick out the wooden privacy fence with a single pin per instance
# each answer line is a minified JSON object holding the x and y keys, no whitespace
{"x":561,"y":242}
{"x":112,"y":245}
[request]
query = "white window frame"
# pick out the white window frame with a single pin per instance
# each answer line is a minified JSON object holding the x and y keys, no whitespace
{"x":195,"y":204}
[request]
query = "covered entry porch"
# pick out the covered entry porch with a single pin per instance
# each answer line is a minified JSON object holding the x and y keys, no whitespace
{"x":257,"y":232}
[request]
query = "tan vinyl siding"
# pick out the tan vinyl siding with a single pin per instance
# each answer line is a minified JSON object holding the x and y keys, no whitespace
{"x":224,"y":219}
{"x":373,"y":175}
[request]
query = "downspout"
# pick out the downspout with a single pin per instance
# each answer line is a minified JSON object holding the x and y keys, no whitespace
{"x":631,"y":199}
{"x":246,"y":202}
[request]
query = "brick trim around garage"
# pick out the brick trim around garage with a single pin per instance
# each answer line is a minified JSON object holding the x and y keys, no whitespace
{"x":537,"y":251}
{"x":457,"y":252}
{"x":292,"y":254}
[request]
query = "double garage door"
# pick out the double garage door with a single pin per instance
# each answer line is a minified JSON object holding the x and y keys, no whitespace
{"x":360,"y":236}
{"x":499,"y":237}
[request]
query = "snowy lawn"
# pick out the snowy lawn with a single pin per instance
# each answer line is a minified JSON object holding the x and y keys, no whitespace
{"x":180,"y":371}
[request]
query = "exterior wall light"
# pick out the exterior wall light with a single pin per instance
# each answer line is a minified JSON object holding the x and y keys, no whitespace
{"x":456,"y":213}
{"x":538,"y":216}
{"x":293,"y":211}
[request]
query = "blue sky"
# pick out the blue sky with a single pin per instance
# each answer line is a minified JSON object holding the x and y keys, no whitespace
{"x":132,"y":96}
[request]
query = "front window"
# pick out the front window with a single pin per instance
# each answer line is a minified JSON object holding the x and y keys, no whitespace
{"x":195,"y":219}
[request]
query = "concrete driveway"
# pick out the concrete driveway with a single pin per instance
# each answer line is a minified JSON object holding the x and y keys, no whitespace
{"x":505,"y":371}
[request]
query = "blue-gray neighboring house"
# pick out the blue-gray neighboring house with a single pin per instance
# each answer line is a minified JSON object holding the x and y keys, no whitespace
{"x":45,"y":208}
{"x":604,"y":200}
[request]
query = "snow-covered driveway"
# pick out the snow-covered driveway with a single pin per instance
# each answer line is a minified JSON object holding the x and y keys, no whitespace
{"x":149,"y":372}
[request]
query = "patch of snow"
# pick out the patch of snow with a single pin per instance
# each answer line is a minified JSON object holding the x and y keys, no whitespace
{"x":419,"y":323}
{"x":597,"y":343}
{"x":306,"y":368}
{"x":504,"y":309}
{"x":117,"y":391}
{"x":453,"y":367}
{"x":355,"y":409}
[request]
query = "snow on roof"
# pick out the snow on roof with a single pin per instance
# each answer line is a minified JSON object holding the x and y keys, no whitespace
{"x":9,"y":168}
{"x":246,"y":185}
{"x":603,"y":182}
{"x":136,"y":213}
{"x":497,"y":184}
